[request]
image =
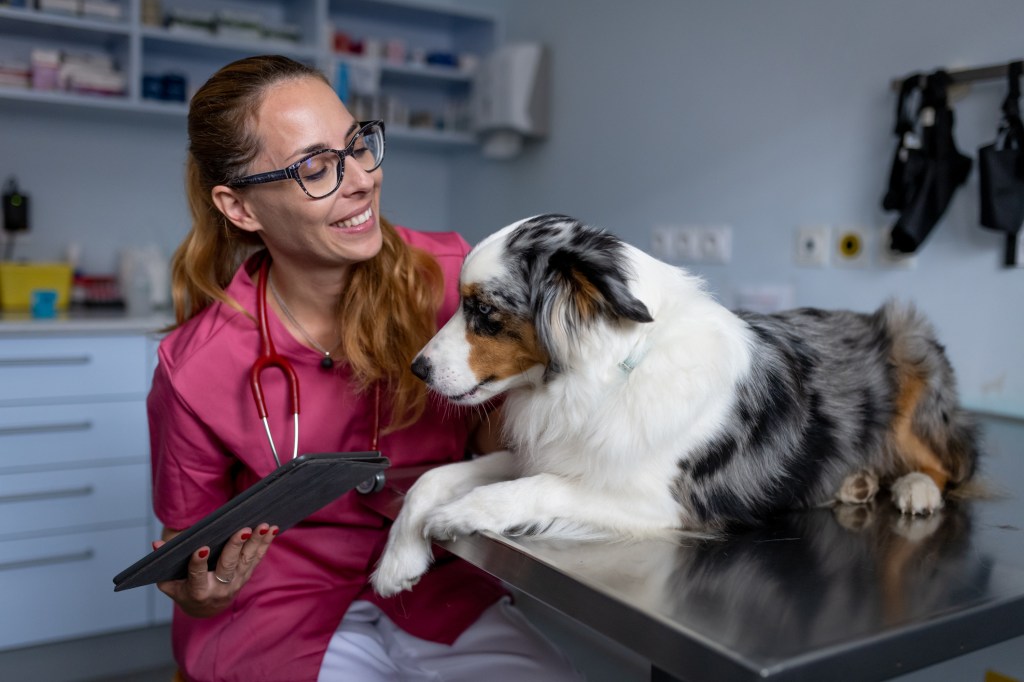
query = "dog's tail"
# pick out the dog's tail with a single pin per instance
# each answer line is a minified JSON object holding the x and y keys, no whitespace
{"x":934,"y":434}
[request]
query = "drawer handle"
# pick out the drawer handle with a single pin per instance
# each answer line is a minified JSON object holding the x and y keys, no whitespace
{"x":45,"y":428}
{"x":48,"y":560}
{"x":84,"y":491}
{"x":57,"y":360}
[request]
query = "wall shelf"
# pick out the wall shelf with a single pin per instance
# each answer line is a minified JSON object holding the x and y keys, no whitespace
{"x":140,"y":49}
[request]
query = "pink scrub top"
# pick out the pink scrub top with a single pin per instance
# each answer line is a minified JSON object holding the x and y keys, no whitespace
{"x":208,"y":444}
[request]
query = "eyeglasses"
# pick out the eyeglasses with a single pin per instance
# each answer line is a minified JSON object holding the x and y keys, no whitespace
{"x":319,"y":174}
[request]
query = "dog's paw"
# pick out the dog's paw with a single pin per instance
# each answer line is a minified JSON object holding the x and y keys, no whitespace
{"x":401,"y":566}
{"x":858,"y":488}
{"x":917,"y":528}
{"x":855,"y":517}
{"x":916,"y":493}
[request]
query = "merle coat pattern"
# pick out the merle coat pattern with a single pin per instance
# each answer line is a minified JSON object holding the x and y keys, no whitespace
{"x":636,"y":405}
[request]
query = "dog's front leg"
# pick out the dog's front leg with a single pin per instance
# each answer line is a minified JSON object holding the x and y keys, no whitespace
{"x":551,"y":506}
{"x":408,"y":553}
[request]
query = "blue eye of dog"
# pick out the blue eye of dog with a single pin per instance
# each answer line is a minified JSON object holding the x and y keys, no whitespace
{"x":484,"y":309}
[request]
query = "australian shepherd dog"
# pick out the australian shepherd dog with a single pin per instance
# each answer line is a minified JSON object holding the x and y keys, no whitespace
{"x":635,"y":405}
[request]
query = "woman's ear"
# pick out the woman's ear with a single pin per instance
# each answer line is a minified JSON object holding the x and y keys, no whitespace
{"x":234,"y":207}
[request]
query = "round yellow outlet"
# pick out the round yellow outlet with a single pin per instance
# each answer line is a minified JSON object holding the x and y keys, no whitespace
{"x":850,"y":245}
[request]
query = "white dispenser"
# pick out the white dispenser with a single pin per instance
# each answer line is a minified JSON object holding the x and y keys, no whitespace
{"x":511,"y":98}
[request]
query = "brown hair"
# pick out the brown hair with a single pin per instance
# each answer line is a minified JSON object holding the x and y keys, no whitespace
{"x":388,"y":309}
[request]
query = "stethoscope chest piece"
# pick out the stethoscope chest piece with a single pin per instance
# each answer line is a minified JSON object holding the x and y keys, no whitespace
{"x":374,"y":484}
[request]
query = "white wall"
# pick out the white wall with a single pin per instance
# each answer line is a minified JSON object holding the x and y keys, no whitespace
{"x":766,"y":116}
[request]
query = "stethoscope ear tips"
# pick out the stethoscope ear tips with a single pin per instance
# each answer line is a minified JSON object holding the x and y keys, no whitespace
{"x":374,"y":484}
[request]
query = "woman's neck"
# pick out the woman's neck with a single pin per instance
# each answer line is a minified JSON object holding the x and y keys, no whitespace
{"x":308,"y":302}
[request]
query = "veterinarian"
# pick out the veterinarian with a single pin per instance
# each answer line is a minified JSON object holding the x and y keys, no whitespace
{"x":352,"y":298}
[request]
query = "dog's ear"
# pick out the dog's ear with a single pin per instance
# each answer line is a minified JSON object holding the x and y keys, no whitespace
{"x":581,"y":287}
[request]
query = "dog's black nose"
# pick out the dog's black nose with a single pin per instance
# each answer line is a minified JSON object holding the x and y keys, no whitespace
{"x":421,"y":368}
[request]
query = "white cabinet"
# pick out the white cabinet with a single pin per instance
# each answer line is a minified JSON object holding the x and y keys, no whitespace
{"x":74,"y":484}
{"x":420,"y":101}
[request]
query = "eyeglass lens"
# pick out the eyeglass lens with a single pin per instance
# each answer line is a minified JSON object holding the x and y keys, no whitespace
{"x":321,"y":173}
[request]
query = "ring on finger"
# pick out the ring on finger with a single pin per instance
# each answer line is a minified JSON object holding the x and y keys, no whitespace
{"x":224,"y":581}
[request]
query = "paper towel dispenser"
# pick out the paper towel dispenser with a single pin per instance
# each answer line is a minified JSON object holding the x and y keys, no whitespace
{"x":511,"y":98}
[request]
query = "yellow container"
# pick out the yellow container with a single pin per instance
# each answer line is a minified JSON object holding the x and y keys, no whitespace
{"x":18,"y":280}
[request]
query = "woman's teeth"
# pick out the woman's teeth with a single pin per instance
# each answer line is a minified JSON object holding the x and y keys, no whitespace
{"x":356,"y":219}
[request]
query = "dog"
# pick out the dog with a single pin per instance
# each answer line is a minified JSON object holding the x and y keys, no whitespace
{"x":635,"y":405}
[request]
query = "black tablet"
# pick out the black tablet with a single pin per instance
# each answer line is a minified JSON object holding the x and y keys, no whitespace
{"x":289,"y":494}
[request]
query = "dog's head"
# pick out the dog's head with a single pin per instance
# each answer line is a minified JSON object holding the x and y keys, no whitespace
{"x":529,"y":294}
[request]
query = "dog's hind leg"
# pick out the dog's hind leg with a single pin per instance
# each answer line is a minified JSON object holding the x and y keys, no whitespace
{"x":920,"y":490}
{"x":408,"y":552}
{"x":932,"y":440}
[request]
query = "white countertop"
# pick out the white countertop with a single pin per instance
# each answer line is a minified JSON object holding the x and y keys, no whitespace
{"x":86,"y":321}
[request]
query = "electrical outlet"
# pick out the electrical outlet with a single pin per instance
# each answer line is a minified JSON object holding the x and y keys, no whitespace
{"x":812,"y":245}
{"x":714,"y":244}
{"x":662,"y":242}
{"x":853,"y":247}
{"x":686,"y":244}
{"x":887,"y":258}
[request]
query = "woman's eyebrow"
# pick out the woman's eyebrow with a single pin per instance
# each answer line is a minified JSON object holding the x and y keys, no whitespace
{"x":317,"y":146}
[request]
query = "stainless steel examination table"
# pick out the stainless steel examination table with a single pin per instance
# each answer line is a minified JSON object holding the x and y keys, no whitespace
{"x":856,"y":593}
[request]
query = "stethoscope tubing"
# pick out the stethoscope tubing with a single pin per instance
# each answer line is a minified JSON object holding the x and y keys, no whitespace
{"x":269,"y":357}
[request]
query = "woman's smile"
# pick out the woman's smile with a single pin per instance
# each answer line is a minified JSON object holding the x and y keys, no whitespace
{"x":360,"y":222}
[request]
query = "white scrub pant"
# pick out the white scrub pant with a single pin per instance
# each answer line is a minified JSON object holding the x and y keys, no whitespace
{"x":501,"y":646}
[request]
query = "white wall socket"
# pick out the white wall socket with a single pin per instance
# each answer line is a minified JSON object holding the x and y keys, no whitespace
{"x":887,"y":258}
{"x":813,"y":245}
{"x":714,"y":244}
{"x":852,"y":247}
{"x":662,"y":242}
{"x":692,"y":243}
{"x":687,"y":244}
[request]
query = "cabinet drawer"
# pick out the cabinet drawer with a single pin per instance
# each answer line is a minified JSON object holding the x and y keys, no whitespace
{"x":58,"y":587}
{"x":86,"y":432}
{"x":47,"y":500}
{"x":34,"y":368}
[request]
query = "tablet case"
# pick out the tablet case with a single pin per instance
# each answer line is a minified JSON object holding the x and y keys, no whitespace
{"x":286,"y":496}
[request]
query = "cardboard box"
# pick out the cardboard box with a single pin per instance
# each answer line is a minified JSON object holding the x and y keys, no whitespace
{"x":17,"y":280}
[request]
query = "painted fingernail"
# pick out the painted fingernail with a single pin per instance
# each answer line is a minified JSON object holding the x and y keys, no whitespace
{"x":263,"y":531}
{"x":246,"y":536}
{"x":203,"y":553}
{"x":153,"y":544}
{"x":274,"y":532}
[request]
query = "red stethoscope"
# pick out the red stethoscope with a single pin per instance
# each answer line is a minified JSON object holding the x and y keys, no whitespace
{"x":269,"y":357}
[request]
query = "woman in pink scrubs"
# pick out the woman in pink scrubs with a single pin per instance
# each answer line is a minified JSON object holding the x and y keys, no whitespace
{"x":352,"y":298}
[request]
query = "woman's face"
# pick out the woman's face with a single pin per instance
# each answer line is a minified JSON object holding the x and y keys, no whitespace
{"x":295,"y":118}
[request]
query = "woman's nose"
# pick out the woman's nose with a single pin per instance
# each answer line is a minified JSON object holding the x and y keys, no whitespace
{"x":356,"y":180}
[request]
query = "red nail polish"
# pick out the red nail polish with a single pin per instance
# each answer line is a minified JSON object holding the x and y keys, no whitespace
{"x":153,"y":544}
{"x":203,"y":553}
{"x":274,"y":531}
{"x":263,"y":531}
{"x":246,"y":536}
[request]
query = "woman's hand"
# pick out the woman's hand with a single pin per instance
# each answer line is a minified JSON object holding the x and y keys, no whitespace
{"x":206,"y":593}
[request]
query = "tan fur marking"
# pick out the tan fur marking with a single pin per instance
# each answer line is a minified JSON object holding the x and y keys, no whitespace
{"x":500,"y":357}
{"x":916,"y":454}
{"x":506,"y":355}
{"x":585,"y":295}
